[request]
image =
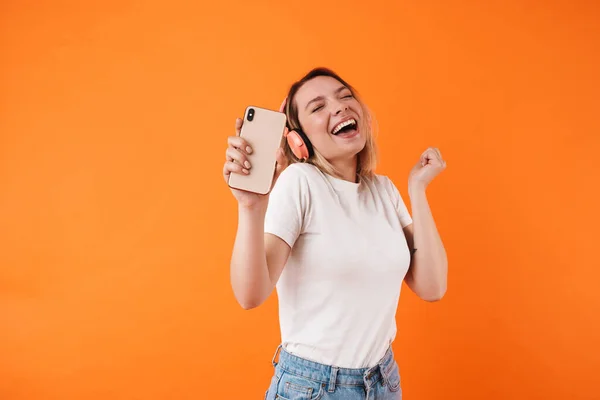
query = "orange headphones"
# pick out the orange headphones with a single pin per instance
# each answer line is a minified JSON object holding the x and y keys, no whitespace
{"x":297,"y":140}
{"x":300,"y":144}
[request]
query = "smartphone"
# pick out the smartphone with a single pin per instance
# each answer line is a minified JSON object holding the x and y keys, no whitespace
{"x":263,"y":130}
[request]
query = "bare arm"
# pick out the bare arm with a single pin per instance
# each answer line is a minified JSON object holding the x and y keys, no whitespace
{"x":428,"y":272}
{"x":257,"y":260}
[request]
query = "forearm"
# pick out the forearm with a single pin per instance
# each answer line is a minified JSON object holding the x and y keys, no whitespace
{"x":429,"y":266}
{"x":249,"y":272}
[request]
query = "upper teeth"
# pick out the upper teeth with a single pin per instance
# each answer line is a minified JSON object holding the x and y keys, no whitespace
{"x":343,"y":124}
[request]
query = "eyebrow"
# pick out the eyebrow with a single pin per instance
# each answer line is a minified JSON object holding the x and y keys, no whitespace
{"x":318,"y":98}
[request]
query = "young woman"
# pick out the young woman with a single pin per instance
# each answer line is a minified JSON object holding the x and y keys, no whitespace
{"x":336,"y":240}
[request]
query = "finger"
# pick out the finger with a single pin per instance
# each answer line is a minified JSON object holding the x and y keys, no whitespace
{"x":442,"y":161}
{"x":230,"y":167}
{"x":431,"y":154}
{"x":423,"y":159}
{"x":438,"y":156}
{"x":238,"y":126}
{"x":239,"y":143}
{"x":434,"y":151}
{"x":233,"y":154}
{"x":286,"y":131}
{"x":435,"y":158}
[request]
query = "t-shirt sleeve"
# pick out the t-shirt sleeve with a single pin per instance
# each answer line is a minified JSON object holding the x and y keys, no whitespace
{"x":401,"y":209}
{"x":287,"y":205}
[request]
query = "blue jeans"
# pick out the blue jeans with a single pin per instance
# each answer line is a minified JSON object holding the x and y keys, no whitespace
{"x":296,"y":378}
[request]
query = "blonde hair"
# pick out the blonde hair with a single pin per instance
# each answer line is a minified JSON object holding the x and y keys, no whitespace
{"x":367,"y":157}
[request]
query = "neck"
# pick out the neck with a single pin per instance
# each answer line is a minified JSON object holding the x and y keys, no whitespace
{"x":347,"y":169}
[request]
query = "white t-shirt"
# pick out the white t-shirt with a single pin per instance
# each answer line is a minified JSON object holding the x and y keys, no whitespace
{"x":339,"y":290}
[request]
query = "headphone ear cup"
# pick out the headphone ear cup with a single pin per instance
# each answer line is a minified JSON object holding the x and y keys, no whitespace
{"x":307,"y":143}
{"x":300,"y":145}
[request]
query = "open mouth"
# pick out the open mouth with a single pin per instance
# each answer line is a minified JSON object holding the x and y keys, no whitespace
{"x":345,"y":127}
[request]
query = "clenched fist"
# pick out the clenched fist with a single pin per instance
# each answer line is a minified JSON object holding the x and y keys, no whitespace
{"x":429,"y":166}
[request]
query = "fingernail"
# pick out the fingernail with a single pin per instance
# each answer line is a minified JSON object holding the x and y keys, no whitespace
{"x":245,"y":171}
{"x":248,"y":149}
{"x":247,"y":164}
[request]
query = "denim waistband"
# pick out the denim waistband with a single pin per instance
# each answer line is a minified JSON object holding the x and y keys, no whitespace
{"x":333,"y":375}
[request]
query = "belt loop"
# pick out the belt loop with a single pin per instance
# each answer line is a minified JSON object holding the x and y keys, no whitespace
{"x":383,"y":368}
{"x":384,"y":376}
{"x":332,"y":379}
{"x":275,"y":355}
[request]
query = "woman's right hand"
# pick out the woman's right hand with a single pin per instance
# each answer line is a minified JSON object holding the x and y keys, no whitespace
{"x":236,"y":161}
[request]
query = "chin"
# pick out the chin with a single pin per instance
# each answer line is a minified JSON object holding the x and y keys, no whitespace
{"x":354,"y":151}
{"x":360,"y":145}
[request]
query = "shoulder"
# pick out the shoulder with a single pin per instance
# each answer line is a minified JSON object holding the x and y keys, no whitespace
{"x":295,"y":178}
{"x":382,"y":181}
{"x":299,"y":172}
{"x":384,"y":185}
{"x":290,"y":197}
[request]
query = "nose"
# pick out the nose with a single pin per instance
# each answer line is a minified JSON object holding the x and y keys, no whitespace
{"x":340,"y":107}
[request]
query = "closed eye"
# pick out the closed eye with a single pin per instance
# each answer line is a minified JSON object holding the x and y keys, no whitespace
{"x":317,"y":108}
{"x":347,"y":94}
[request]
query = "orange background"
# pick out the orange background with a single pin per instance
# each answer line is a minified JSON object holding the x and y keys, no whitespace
{"x":116,"y":226}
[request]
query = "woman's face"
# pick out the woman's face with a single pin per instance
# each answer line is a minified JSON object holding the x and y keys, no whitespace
{"x":331,"y":118}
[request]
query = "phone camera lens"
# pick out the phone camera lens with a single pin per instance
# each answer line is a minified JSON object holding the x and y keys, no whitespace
{"x":250,"y":114}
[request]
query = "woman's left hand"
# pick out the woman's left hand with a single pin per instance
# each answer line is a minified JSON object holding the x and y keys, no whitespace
{"x":429,"y":166}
